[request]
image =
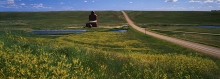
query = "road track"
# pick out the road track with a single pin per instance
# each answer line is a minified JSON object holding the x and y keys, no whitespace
{"x":205,"y":49}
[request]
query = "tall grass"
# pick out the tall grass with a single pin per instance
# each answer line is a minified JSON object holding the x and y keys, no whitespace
{"x":65,"y":57}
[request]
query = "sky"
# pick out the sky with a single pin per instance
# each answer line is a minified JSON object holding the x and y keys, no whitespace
{"x":145,"y":5}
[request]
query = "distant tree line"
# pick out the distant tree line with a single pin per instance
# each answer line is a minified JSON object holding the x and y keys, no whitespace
{"x":215,"y":10}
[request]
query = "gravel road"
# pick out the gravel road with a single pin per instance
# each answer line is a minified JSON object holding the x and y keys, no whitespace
{"x":205,"y":49}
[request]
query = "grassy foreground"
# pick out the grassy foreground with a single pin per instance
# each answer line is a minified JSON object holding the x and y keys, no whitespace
{"x":100,"y":55}
{"x":96,"y":55}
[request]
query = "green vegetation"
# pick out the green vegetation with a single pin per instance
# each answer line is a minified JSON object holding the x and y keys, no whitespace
{"x":167,"y":22}
{"x":199,"y":37}
{"x":57,"y":20}
{"x":167,"y":18}
{"x":94,"y":54}
{"x":100,"y":55}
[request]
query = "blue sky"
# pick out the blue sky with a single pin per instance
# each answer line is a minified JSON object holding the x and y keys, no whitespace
{"x":149,"y":5}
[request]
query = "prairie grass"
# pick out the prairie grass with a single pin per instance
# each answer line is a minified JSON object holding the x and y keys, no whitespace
{"x":95,"y":55}
{"x":168,"y":18}
{"x":187,"y":21}
{"x":58,"y":20}
{"x":212,"y":40}
{"x":208,"y":39}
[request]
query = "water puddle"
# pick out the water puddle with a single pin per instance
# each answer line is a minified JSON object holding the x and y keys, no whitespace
{"x":118,"y":31}
{"x":125,"y":27}
{"x":210,"y":27}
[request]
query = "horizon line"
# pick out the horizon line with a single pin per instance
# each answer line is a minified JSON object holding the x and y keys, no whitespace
{"x":109,"y":10}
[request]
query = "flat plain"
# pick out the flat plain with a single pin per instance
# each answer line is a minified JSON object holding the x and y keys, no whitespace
{"x":57,"y":20}
{"x":94,"y":54}
{"x":185,"y":25}
{"x":178,"y":18}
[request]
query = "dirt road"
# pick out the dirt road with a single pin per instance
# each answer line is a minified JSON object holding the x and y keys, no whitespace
{"x":209,"y":50}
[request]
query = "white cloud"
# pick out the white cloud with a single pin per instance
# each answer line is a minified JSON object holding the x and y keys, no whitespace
{"x":12,"y":4}
{"x":68,"y":8}
{"x":37,"y":5}
{"x":2,"y":2}
{"x":208,"y":1}
{"x":10,"y":1}
{"x":131,"y":2}
{"x":22,"y":4}
{"x":203,"y":1}
{"x":85,"y":1}
{"x":195,"y":1}
{"x":93,"y":1}
{"x":218,"y":1}
{"x":61,"y":3}
{"x":210,"y":6}
{"x":171,"y":0}
{"x":8,"y":4}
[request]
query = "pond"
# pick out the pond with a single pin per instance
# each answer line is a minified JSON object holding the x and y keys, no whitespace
{"x":211,"y":27}
{"x":51,"y":32}
{"x":118,"y":31}
{"x":125,"y":27}
{"x":61,"y":32}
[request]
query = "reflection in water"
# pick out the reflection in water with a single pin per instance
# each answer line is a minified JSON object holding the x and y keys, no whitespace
{"x":60,"y":32}
{"x":118,"y":31}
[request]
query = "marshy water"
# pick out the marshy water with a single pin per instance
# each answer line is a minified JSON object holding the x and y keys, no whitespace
{"x":210,"y":27}
{"x":118,"y":31}
{"x":60,"y":32}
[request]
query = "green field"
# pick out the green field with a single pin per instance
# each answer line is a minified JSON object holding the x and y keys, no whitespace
{"x":57,"y":20}
{"x":99,"y":54}
{"x":178,"y":18}
{"x":167,"y":22}
{"x":212,"y":38}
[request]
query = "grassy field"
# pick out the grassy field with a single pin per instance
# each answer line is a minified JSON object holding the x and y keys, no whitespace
{"x":57,"y":20}
{"x":209,"y":39}
{"x":167,"y":18}
{"x":100,"y":55}
{"x":167,"y":22}
{"x":97,"y":54}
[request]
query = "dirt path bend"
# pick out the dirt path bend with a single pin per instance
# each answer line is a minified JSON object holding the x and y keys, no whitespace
{"x":209,"y":50}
